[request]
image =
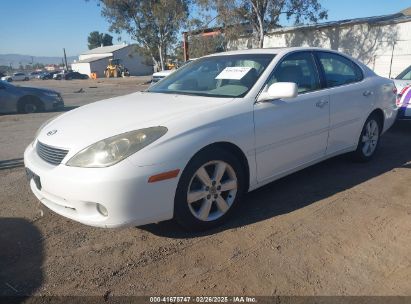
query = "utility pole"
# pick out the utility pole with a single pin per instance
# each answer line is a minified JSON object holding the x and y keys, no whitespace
{"x":65,"y":59}
{"x":392,"y":57}
{"x":185,"y":46}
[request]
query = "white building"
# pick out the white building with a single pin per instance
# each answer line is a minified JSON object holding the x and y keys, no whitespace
{"x":96,"y":60}
{"x":382,"y":42}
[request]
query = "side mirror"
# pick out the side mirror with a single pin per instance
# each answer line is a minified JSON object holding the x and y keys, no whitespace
{"x":279,"y":90}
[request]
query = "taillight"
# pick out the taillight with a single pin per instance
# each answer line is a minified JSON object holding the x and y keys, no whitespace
{"x":398,"y":100}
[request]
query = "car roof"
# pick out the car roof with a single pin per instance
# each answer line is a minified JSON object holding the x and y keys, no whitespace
{"x":274,"y":50}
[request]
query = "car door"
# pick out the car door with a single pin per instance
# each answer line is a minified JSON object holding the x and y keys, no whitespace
{"x":292,"y":132}
{"x":18,"y":76}
{"x":351,"y":97}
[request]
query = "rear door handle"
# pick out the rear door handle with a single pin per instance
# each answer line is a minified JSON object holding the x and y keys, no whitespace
{"x":367,"y":93}
{"x":321,"y":103}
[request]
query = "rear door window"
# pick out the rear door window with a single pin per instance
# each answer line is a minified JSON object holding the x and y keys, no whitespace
{"x":339,"y":70}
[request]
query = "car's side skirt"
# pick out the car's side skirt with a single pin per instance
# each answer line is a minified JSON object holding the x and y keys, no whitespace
{"x":300,"y":167}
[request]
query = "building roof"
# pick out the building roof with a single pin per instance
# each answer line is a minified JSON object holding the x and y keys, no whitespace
{"x":105,"y":49}
{"x":92,"y":59}
{"x":403,"y":16}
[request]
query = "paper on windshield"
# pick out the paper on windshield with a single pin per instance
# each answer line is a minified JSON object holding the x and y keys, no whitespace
{"x":233,"y":73}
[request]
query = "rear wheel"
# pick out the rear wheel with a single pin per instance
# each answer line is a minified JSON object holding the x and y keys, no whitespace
{"x":209,"y":188}
{"x":369,"y":139}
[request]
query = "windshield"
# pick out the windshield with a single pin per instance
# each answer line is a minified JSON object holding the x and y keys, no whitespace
{"x":216,"y":76}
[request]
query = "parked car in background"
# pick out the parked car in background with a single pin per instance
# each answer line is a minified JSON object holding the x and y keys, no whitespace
{"x":404,"y":103}
{"x":59,"y":75}
{"x":46,"y":75}
{"x":27,"y":99}
{"x":34,"y":74}
{"x":69,"y":76}
{"x":211,"y":131}
{"x":157,"y":76}
{"x":15,"y":77}
{"x":403,"y":79}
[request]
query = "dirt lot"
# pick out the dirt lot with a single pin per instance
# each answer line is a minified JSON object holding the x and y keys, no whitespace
{"x":338,"y":228}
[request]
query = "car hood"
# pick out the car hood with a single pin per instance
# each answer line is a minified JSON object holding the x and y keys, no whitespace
{"x":37,"y":90}
{"x":88,"y":124}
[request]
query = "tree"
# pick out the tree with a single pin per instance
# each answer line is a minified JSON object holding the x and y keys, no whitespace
{"x":154,"y":24}
{"x":262,"y":15}
{"x":96,"y":39}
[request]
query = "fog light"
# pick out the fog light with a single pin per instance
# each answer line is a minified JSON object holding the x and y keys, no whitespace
{"x":103,"y":211}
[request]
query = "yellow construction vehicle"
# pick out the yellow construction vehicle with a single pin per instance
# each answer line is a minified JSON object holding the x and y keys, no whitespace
{"x":116,"y":69}
{"x":170,"y":65}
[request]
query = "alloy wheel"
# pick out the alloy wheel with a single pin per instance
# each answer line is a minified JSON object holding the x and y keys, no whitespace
{"x":212,"y":190}
{"x":30,"y":108}
{"x":370,"y":138}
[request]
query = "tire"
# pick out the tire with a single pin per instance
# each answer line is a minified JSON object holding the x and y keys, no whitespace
{"x":30,"y":104}
{"x":209,"y":205}
{"x":369,"y":140}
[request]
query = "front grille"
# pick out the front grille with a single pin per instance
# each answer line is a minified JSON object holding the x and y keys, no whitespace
{"x":50,"y":154}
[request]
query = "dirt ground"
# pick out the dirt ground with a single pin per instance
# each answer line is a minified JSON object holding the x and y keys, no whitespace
{"x":337,"y":228}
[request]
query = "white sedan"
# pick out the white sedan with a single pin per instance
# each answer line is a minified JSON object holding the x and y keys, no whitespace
{"x":192,"y":145}
{"x":15,"y":77}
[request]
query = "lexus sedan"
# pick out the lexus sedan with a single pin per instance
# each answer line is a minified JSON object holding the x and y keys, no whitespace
{"x":192,"y":145}
{"x":28,"y":100}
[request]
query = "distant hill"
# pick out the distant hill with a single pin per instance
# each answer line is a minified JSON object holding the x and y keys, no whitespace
{"x":17,"y":59}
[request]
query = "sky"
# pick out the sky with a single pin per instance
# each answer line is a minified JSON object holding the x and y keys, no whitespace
{"x":45,"y":27}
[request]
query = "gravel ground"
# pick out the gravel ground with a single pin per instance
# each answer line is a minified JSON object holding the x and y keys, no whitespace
{"x":337,"y":228}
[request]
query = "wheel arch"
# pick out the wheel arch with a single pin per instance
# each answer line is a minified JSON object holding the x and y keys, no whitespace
{"x":27,"y":98}
{"x":233,"y":149}
{"x":381,"y":117}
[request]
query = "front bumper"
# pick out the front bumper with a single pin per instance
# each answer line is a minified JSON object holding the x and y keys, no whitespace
{"x":53,"y":103}
{"x":122,"y":189}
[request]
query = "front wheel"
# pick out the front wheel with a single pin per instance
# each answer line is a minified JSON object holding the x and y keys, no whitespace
{"x":210,"y":186}
{"x":369,"y":139}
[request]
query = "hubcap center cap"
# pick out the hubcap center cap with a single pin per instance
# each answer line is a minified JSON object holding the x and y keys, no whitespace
{"x":213,"y":190}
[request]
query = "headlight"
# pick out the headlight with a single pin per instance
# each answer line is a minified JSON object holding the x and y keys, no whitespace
{"x":51,"y":94}
{"x":112,"y":150}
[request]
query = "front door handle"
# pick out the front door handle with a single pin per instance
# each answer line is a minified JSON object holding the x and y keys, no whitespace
{"x":321,"y":103}
{"x":367,"y":93}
